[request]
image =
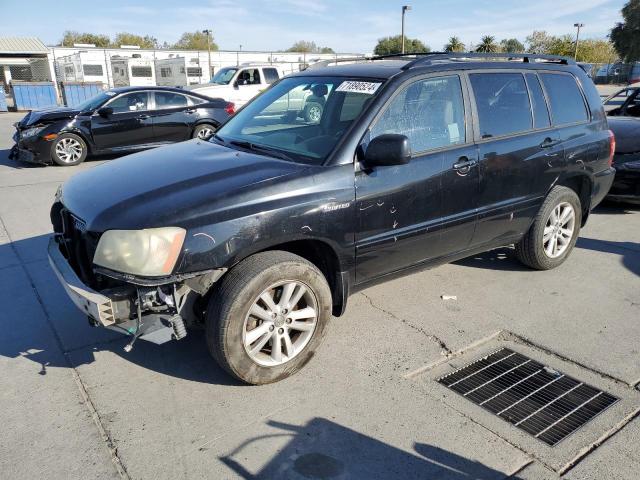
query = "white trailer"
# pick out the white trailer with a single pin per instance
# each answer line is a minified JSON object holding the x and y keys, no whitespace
{"x":133,"y":71}
{"x":83,"y":66}
{"x":179,"y":71}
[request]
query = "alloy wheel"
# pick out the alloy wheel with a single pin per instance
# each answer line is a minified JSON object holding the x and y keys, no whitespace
{"x":205,"y":133}
{"x":69,"y":150}
{"x":280,"y":323}
{"x":558,"y":230}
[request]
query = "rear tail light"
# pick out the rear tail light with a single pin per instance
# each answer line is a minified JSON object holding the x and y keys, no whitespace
{"x":230,"y":108}
{"x":612,"y":147}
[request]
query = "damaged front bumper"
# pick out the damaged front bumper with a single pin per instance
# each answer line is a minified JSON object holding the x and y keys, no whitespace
{"x":156,"y":313}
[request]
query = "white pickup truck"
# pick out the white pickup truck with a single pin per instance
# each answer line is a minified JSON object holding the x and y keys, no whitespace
{"x":240,"y":84}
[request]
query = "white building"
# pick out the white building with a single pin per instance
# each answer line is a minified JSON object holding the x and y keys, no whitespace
{"x":133,"y":71}
{"x":83,"y":66}
{"x":179,"y":71}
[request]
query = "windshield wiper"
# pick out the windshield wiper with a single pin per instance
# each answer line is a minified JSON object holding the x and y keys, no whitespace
{"x":272,"y":152}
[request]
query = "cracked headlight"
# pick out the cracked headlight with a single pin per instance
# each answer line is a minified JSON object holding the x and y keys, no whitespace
{"x":30,"y":132}
{"x":149,"y":253}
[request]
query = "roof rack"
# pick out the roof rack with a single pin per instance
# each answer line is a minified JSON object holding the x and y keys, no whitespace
{"x":430,"y":57}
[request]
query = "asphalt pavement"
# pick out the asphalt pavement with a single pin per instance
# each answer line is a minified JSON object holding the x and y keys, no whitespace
{"x":74,"y":405}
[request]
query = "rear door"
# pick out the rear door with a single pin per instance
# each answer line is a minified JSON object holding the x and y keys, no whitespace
{"x":173,"y":117}
{"x":519,"y":152}
{"x":129,"y":125}
{"x":404,"y":215}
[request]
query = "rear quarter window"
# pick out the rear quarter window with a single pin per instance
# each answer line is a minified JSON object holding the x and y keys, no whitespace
{"x":565,"y":99}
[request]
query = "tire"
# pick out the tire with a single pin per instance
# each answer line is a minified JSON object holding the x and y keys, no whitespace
{"x":204,"y":131}
{"x":312,"y":112}
{"x":68,"y":150}
{"x":229,"y":322}
{"x":534,"y":250}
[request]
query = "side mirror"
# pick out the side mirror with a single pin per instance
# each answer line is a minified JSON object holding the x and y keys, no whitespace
{"x":388,"y":149}
{"x":235,"y":84}
{"x":105,"y":111}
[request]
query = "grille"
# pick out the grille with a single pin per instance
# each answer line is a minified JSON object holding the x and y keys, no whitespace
{"x":535,"y":398}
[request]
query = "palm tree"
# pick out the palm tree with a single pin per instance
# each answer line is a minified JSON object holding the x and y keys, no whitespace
{"x":488,"y":45}
{"x":454,"y":45}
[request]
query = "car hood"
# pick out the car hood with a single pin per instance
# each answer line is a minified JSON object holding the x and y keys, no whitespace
{"x":35,"y":117}
{"x":177,"y":185}
{"x":627,"y":132}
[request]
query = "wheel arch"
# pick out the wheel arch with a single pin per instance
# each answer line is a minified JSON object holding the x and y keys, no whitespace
{"x":326,"y":259}
{"x":582,"y":185}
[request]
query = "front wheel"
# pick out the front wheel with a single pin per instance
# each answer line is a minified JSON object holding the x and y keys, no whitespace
{"x":268,"y":317}
{"x":554,"y":232}
{"x":68,"y":150}
{"x":313,"y":112}
{"x":204,"y":131}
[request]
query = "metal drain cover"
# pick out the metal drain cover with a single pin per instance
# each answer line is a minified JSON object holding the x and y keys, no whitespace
{"x":535,"y":398}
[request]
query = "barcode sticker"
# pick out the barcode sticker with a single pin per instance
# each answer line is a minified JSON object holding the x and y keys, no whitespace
{"x":368,"y":88}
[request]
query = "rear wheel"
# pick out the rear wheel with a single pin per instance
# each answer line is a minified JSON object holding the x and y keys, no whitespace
{"x":554,"y":232}
{"x":204,"y":131}
{"x":68,"y":150}
{"x":268,"y":316}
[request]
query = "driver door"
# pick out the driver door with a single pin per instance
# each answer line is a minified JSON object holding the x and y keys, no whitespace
{"x":426,"y":209}
{"x":129,"y":126}
{"x":248,"y":85}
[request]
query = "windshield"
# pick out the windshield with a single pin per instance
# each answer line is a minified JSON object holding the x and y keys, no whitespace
{"x":95,"y":102}
{"x":301,"y":118}
{"x":224,"y":76}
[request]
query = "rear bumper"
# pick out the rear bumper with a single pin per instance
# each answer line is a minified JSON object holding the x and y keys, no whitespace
{"x":602,"y":182}
{"x":626,"y":186}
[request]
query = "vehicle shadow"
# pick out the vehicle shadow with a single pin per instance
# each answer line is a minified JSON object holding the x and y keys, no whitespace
{"x":18,"y":165}
{"x":52,"y":332}
{"x":502,"y":259}
{"x":324,"y":449}
{"x":629,"y":251}
{"x":609,"y":207}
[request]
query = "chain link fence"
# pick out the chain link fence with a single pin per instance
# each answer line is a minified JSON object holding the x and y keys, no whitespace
{"x":118,"y":68}
{"x":613,"y":73}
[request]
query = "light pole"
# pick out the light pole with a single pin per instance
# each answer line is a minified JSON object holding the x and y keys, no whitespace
{"x":404,"y":10}
{"x":238,"y":56}
{"x":208,"y":34}
{"x":578,"y":26}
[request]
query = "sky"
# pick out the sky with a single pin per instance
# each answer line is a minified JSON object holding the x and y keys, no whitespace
{"x":346,"y":26}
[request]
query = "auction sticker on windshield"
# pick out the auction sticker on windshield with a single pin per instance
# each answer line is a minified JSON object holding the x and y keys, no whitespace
{"x":358,"y":87}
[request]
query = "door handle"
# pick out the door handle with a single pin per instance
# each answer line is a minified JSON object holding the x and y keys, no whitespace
{"x":464,"y":165}
{"x":191,"y":110}
{"x":143,"y":117}
{"x":549,"y":142}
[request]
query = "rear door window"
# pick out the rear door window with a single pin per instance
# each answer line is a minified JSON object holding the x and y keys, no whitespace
{"x":270,"y":75}
{"x":429,"y":112}
{"x":170,"y":100}
{"x":538,"y":103}
{"x":565,"y":98}
{"x":502,"y":102}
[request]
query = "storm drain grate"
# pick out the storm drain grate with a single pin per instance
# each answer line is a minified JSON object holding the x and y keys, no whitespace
{"x":535,"y":398}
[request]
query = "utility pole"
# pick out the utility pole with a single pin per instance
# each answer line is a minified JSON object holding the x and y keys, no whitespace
{"x":578,"y":26}
{"x":404,"y":10}
{"x":238,"y":56}
{"x":208,"y":34}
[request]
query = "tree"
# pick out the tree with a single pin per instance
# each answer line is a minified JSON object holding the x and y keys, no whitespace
{"x":511,"y":45}
{"x":564,"y":45}
{"x":304,"y":46}
{"x":539,"y":42}
{"x":125,"y":38}
{"x":70,"y":37}
{"x":626,"y":35}
{"x":194,"y":41}
{"x":488,"y":45}
{"x":596,"y":51}
{"x":393,"y":45}
{"x":454,"y":45}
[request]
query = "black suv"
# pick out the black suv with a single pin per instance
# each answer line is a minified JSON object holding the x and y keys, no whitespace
{"x":263,"y":232}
